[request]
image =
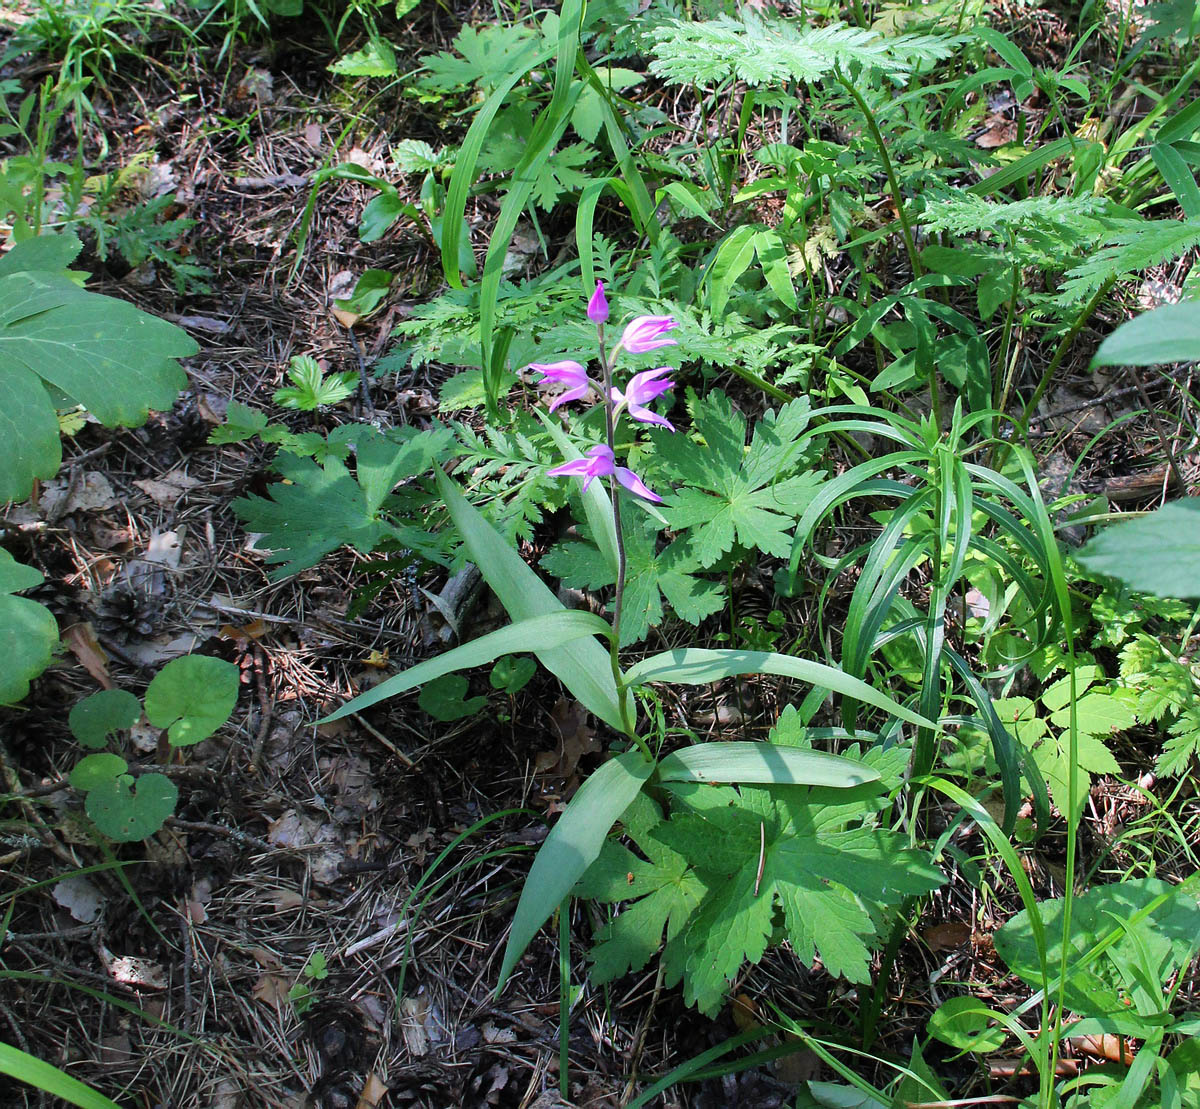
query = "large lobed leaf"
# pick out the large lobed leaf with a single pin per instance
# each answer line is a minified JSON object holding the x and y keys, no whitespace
{"x":58,"y":340}
{"x":28,"y":632}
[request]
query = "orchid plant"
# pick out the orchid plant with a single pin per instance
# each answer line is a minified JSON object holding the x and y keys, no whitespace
{"x":565,"y":640}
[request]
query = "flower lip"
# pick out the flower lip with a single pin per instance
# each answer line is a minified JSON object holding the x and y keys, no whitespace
{"x":597,"y":462}
{"x":644,"y":333}
{"x":597,"y":309}
{"x":564,"y":372}
{"x":642,"y":388}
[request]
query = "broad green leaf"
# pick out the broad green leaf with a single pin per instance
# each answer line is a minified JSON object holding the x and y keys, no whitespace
{"x":370,"y":291}
{"x":732,"y":259}
{"x":582,"y":666}
{"x":192,"y":697}
{"x":102,"y":714}
{"x":126,"y":811}
{"x":764,"y":763}
{"x":1167,"y":334}
{"x":36,"y":1072}
{"x":444,"y":698}
{"x":115,"y":360}
{"x":1162,"y":941}
{"x":700,"y":666}
{"x":538,"y":633}
{"x":43,"y":252}
{"x":572,"y":846}
{"x":93,"y":770}
{"x":772,"y":256}
{"x":1159,"y":553}
{"x":28,"y":631}
{"x":966,"y":1024}
{"x":376,"y":59}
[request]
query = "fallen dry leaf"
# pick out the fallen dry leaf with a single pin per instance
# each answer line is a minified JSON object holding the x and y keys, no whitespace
{"x":88,"y":493}
{"x":168,"y":489}
{"x":81,"y":641}
{"x":373,"y":1092}
{"x":997,"y":131}
{"x":575,"y":739}
{"x":79,"y":897}
{"x":165,"y":547}
{"x":129,"y":970}
{"x":271,"y":989}
{"x":1113,"y":1048}
{"x":946,"y":937}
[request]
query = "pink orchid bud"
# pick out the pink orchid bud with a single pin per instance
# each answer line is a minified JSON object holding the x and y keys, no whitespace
{"x":597,"y":462}
{"x":597,"y":309}
{"x":645,"y":333}
{"x":642,"y":389}
{"x":568,"y":373}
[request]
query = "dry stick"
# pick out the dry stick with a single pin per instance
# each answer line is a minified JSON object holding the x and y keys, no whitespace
{"x":1061,"y":352}
{"x":1162,"y":439}
{"x":236,"y":834}
{"x":639,"y":1043}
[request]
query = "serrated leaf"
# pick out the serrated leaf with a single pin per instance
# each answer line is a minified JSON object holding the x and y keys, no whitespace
{"x":650,"y":577}
{"x":28,"y":630}
{"x":127,"y":811}
{"x":311,"y":388}
{"x":112,"y":358}
{"x":484,"y":56}
{"x":734,"y":493}
{"x":376,"y":59}
{"x":102,"y":714}
{"x":192,"y":697}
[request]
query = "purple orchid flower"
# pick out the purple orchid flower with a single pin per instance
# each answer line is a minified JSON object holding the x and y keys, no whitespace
{"x":645,"y":333}
{"x":598,"y":461}
{"x":597,"y":309}
{"x":568,"y":373}
{"x":642,"y":389}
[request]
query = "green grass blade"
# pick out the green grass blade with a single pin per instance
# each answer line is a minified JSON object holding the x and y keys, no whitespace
{"x":763,"y":763}
{"x":468,"y":155}
{"x":24,"y":1067}
{"x":583,"y":666}
{"x":698,"y":666}
{"x":571,"y":847}
{"x":539,"y":633}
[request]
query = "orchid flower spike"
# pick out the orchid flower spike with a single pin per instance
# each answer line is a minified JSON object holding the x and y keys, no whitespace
{"x":642,"y":389}
{"x":568,"y":373}
{"x":598,"y":461}
{"x":645,"y":333}
{"x":597,"y":309}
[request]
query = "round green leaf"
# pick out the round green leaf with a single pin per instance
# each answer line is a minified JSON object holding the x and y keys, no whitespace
{"x":99,"y":716}
{"x":93,"y":770}
{"x":966,"y":1023}
{"x":444,"y":698}
{"x":192,"y":697}
{"x":126,"y":814}
{"x":512,"y":674}
{"x":28,"y":633}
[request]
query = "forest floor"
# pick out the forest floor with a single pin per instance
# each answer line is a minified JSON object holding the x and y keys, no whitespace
{"x":165,"y":971}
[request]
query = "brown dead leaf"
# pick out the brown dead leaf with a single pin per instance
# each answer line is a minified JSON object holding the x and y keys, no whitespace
{"x":271,"y":989}
{"x":81,"y":641}
{"x":1113,"y":1048}
{"x":256,"y":629}
{"x":946,"y":937}
{"x":89,"y":492}
{"x":744,"y":1010}
{"x":110,"y":538}
{"x":312,"y":135}
{"x":575,"y":739}
{"x":997,"y":131}
{"x":129,"y":970}
{"x":165,"y":548}
{"x":373,"y":1092}
{"x":168,"y":489}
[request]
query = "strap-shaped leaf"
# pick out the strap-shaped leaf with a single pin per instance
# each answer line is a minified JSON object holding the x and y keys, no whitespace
{"x":763,"y":763}
{"x":114,"y":359}
{"x":699,"y":666}
{"x":539,"y":633}
{"x":572,"y":846}
{"x":583,"y":666}
{"x":37,"y":1072}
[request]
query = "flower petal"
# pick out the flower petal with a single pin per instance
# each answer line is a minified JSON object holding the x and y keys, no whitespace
{"x":635,"y":484}
{"x":597,"y":309}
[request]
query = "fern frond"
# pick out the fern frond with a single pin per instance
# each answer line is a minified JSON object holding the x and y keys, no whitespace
{"x":771,"y":51}
{"x":1074,"y":219}
{"x":1128,"y":252}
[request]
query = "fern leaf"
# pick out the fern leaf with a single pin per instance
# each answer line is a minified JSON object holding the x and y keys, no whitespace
{"x":1130,"y":251}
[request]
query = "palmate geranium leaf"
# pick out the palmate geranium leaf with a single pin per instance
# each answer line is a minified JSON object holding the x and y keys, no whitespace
{"x":651,"y":577}
{"x":730,"y":493}
{"x":112,"y":358}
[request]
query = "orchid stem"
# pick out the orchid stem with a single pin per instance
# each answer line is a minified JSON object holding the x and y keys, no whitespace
{"x":614,"y":495}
